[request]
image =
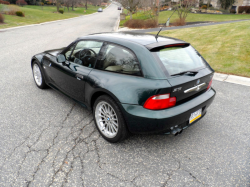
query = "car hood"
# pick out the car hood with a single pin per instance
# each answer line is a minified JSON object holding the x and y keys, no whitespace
{"x":54,"y":52}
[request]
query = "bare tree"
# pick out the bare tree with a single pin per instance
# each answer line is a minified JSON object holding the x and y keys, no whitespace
{"x":58,"y":4}
{"x":86,"y":4}
{"x":184,"y":7}
{"x":67,"y":3}
{"x":95,"y":2}
{"x":208,"y":4}
{"x":146,"y":4}
{"x":130,"y":5}
{"x":73,"y":3}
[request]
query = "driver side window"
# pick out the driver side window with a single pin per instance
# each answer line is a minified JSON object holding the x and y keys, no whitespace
{"x":85,"y":53}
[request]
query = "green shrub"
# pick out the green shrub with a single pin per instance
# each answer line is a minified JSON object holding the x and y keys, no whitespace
{"x":139,"y":24}
{"x":244,"y":8}
{"x":4,"y":2}
{"x":233,"y":11}
{"x":134,"y":23}
{"x":179,"y":22}
{"x":21,"y":2}
{"x":20,"y":13}
{"x":204,"y":7}
{"x":61,"y":11}
{"x":1,"y":18}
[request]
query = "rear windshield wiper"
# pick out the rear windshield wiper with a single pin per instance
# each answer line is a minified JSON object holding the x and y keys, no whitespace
{"x":186,"y":72}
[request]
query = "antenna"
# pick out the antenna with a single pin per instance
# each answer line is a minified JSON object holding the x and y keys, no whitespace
{"x":158,"y":33}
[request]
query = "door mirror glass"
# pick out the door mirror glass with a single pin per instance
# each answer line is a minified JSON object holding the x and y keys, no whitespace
{"x":60,"y":58}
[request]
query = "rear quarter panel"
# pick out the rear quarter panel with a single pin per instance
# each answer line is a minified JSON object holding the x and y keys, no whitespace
{"x":124,"y":88}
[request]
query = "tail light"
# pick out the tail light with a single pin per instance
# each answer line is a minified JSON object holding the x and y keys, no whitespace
{"x":210,"y":84}
{"x":158,"y":102}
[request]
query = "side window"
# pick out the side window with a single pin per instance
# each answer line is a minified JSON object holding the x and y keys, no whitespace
{"x":84,"y":53}
{"x":118,"y":59}
{"x":68,"y":53}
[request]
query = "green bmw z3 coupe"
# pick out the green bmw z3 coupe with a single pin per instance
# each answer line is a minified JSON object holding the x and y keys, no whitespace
{"x":133,"y":83}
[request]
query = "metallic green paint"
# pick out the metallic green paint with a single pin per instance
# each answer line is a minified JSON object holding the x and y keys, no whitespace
{"x":130,"y":92}
{"x":141,"y":120}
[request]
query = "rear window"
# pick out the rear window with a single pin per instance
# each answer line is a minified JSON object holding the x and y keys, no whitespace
{"x":175,"y":60}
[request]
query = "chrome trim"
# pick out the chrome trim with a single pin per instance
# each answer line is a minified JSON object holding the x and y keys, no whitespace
{"x":159,"y":97}
{"x":196,"y":88}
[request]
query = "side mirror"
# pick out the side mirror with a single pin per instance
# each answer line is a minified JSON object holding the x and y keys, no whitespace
{"x":60,"y":58}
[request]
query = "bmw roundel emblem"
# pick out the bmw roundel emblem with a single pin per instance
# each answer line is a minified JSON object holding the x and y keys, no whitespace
{"x":198,"y":81}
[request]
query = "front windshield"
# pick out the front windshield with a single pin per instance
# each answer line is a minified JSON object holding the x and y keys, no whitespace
{"x":179,"y":59}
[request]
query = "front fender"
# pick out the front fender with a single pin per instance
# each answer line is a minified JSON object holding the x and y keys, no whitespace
{"x":38,"y":57}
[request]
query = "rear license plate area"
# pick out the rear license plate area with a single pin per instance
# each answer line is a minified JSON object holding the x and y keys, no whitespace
{"x":195,"y":115}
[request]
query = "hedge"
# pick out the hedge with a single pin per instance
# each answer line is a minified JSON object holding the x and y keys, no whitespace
{"x":244,"y":8}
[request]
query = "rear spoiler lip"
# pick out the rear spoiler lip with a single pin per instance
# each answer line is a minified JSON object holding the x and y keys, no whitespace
{"x":161,"y":44}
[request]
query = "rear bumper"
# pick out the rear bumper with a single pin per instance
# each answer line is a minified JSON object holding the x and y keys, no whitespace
{"x":141,"y":120}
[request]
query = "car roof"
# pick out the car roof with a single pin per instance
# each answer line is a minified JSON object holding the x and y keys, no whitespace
{"x":147,"y":40}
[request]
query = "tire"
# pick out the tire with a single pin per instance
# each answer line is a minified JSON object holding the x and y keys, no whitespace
{"x":110,"y":122}
{"x":38,"y":75}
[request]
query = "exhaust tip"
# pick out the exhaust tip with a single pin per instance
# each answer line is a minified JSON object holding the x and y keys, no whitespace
{"x":176,"y":131}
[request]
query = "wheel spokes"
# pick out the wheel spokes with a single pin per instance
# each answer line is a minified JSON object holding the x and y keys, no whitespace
{"x":37,"y":74}
{"x":106,"y":119}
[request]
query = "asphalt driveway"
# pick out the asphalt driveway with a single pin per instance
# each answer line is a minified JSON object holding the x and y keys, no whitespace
{"x":49,"y":140}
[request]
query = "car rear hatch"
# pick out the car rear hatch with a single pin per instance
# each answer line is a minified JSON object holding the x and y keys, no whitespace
{"x":187,"y":87}
{"x":185,"y":69}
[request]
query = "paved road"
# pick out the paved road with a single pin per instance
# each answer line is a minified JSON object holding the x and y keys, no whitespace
{"x":48,"y":140}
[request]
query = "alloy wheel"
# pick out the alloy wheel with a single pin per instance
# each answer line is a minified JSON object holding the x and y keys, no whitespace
{"x":37,"y":74}
{"x":106,"y":119}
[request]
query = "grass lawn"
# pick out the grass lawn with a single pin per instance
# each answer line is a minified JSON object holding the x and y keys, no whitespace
{"x":164,"y":15}
{"x":225,"y":47}
{"x":34,"y":14}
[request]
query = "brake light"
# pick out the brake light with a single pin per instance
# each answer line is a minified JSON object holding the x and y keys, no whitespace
{"x":210,"y":84}
{"x":175,"y":45}
{"x":158,"y":102}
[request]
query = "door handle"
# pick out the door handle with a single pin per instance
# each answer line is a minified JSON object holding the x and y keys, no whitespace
{"x":66,"y":63}
{"x":79,"y":77}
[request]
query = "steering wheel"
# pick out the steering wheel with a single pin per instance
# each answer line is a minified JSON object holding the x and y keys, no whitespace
{"x":86,"y":57}
{"x":85,"y":53}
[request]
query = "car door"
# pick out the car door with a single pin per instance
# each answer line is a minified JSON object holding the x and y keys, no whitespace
{"x":70,"y":77}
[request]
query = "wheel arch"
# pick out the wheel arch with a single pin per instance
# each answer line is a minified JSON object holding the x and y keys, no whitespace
{"x":100,"y":92}
{"x":38,"y":58}
{"x":32,"y":61}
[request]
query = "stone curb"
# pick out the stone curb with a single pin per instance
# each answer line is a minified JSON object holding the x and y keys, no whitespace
{"x":18,"y":27}
{"x":232,"y":79}
{"x":116,"y":27}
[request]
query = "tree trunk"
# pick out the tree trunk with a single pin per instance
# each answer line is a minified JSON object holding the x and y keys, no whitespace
{"x":130,"y":13}
{"x":208,"y":4}
{"x":86,"y":5}
{"x":158,"y":8}
{"x":57,"y":5}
